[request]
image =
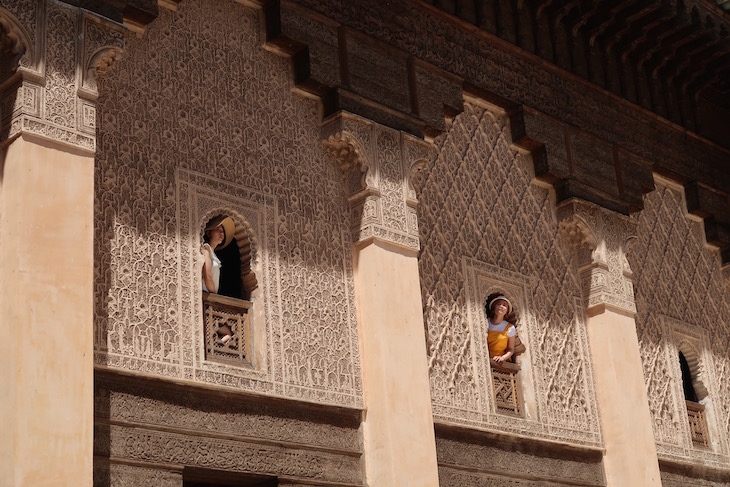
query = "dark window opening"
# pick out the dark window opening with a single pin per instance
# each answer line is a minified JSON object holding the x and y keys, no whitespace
{"x":689,"y":390}
{"x":199,"y":477}
{"x":231,"y":283}
{"x":695,"y":411}
{"x":228,"y":274}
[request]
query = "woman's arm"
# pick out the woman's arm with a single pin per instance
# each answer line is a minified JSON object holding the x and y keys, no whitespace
{"x":508,"y":354}
{"x":208,"y":271}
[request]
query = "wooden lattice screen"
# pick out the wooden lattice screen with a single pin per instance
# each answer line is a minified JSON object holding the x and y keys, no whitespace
{"x":219,"y":311}
{"x":506,"y":383}
{"x":697,"y":424}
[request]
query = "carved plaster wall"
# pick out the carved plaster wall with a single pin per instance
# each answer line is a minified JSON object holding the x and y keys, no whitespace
{"x":681,"y":302}
{"x":487,"y":462}
{"x":600,"y":239}
{"x":484,"y":225}
{"x":197,"y":96}
{"x":48,"y":84}
{"x":378,"y":163}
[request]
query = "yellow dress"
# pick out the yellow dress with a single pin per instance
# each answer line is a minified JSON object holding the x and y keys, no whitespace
{"x":497,"y":341}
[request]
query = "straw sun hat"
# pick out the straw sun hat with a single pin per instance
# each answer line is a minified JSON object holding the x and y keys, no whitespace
{"x":228,"y":226}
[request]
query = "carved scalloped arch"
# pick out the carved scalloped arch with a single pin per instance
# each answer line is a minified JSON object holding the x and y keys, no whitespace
{"x":248,"y":246}
{"x":692,"y":355}
{"x":19,"y":38}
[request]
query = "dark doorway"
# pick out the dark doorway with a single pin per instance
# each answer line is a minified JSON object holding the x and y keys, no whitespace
{"x":201,"y":477}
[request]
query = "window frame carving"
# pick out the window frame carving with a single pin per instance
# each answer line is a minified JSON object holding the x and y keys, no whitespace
{"x":482,"y":280}
{"x":199,"y":198}
{"x":694,"y":343}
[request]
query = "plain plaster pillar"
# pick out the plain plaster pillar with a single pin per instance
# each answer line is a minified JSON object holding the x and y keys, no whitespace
{"x":46,"y":313}
{"x":399,"y":441}
{"x":630,"y":458}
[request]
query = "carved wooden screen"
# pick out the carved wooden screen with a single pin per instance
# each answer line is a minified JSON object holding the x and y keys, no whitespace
{"x":505,"y":378}
{"x":697,"y":424}
{"x":219,"y":311}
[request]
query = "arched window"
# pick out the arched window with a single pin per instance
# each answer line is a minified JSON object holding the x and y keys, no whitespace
{"x":694,"y":392}
{"x":689,"y":390}
{"x":503,"y":342}
{"x":228,"y":283}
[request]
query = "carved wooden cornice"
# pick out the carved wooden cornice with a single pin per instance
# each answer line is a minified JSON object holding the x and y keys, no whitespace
{"x":596,"y":119}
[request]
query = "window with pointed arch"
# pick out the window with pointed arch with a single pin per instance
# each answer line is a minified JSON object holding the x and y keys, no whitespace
{"x":228,"y":283}
{"x":504,"y":346}
{"x":694,"y":392}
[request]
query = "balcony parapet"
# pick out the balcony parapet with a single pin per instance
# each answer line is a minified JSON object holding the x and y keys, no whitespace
{"x":220,"y":311}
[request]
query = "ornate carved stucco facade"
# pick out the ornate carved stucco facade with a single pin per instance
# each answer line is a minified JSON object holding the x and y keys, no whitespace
{"x":377,"y":229}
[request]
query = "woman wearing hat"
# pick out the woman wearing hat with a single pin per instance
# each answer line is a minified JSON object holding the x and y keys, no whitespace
{"x":218,"y":233}
{"x":502,"y":332}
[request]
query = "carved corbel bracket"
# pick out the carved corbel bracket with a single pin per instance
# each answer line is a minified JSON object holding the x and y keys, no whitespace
{"x":17,"y":42}
{"x":376,"y":162}
{"x":416,"y":154}
{"x":351,"y":160}
{"x":600,"y":240}
{"x":59,"y":107}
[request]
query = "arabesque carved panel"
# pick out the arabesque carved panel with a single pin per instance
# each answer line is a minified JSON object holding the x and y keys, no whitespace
{"x":478,"y":203}
{"x":680,"y":289}
{"x":199,"y":95}
{"x":54,"y":42}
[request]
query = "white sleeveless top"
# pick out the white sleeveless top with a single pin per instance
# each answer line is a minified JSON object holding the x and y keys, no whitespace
{"x":216,"y":271}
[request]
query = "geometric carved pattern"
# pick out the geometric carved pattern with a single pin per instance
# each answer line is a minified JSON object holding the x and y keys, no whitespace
{"x":162,"y":425}
{"x":481,"y":205}
{"x":196,"y":97}
{"x":506,"y":383}
{"x":483,"y":460}
{"x":678,"y":282}
{"x":676,"y":479}
{"x":697,"y":424}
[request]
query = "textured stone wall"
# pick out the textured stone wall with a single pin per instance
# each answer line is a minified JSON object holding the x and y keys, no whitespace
{"x":682,"y":305}
{"x":485,"y":226}
{"x":147,"y":432}
{"x":483,"y":459}
{"x":197,"y":117}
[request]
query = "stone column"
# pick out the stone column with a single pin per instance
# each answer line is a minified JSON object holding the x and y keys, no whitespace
{"x":601,"y":239}
{"x":398,"y":431}
{"x":46,"y":236}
